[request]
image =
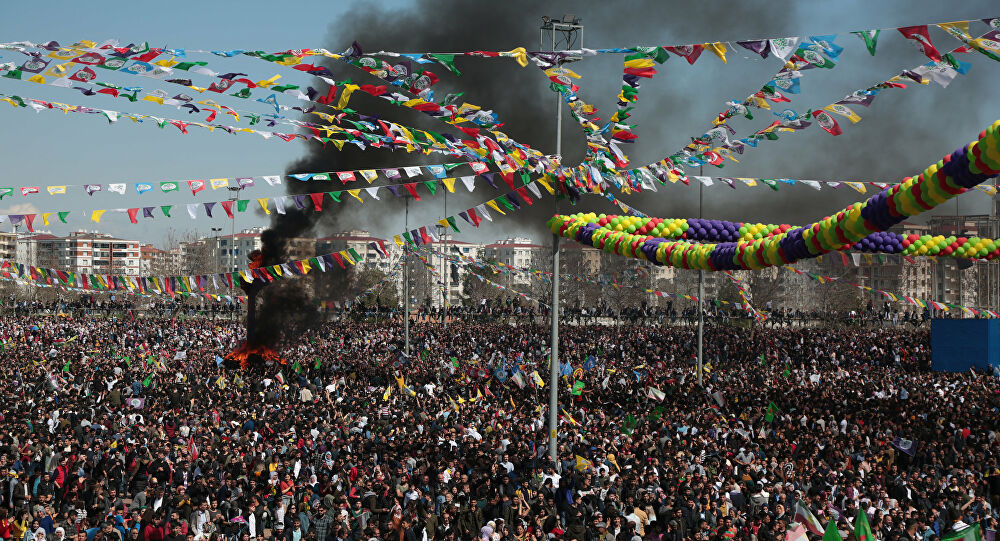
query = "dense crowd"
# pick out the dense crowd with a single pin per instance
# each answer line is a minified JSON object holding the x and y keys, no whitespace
{"x":120,"y":429}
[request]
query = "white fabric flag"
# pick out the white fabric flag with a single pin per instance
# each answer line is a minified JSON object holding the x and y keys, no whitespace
{"x":191,"y":209}
{"x":279,"y":204}
{"x":273,"y":180}
{"x":373,"y":191}
{"x":470,"y":182}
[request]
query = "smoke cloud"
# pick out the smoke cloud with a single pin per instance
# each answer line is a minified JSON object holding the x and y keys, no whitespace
{"x":901,"y":133}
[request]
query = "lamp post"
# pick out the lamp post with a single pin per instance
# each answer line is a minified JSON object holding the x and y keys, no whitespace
{"x":234,"y":196}
{"x":569,"y":26}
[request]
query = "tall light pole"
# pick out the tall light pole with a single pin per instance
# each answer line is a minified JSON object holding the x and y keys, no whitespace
{"x":235,"y":198}
{"x":443,"y":235}
{"x":406,"y":282}
{"x":569,"y":26}
{"x":701,"y":286}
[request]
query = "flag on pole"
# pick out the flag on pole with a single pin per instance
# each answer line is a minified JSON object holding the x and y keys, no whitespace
{"x":862,"y":531}
{"x":831,"y":533}
{"x":654,"y":393}
{"x":972,"y":533}
{"x":907,"y":446}
{"x":797,"y":533}
{"x":192,"y":448}
{"x":805,"y":517}
{"x":772,"y":409}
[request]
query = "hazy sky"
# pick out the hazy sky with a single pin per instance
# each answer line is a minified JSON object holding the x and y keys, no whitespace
{"x":903,"y":130}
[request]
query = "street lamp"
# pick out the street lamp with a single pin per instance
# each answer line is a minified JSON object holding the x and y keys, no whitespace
{"x":234,"y":196}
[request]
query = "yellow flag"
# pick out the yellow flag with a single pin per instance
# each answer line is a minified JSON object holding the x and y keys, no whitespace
{"x":387,"y":393}
{"x":449,"y":183}
{"x":56,"y":189}
{"x":219,"y":183}
{"x":277,"y":269}
{"x":719,"y":48}
{"x":354,"y":193}
{"x":844,"y":111}
{"x":959,"y":29}
{"x":398,"y":240}
{"x":519,"y":54}
{"x":154,"y":99}
{"x":306,"y":267}
{"x":268,"y":83}
{"x":546,"y":185}
{"x":96,"y":215}
{"x":345,"y":95}
{"x":345,"y":255}
{"x":58,"y":70}
{"x":493,"y":205}
{"x":167,"y":63}
{"x":399,"y":380}
{"x":639,"y":63}
{"x":37,"y":79}
{"x":860,"y":187}
{"x":263,"y":204}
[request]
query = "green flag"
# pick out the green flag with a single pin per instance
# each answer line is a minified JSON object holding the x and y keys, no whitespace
{"x":578,"y":388}
{"x":762,"y":360}
{"x":871,"y":39}
{"x":66,"y":366}
{"x":772,"y":409}
{"x":972,"y":533}
{"x":166,"y":210}
{"x":63,"y":215}
{"x":454,"y":362}
{"x":786,"y":372}
{"x":241,"y":205}
{"x":447,"y":60}
{"x":831,"y":533}
{"x":297,"y":367}
{"x":862,"y":531}
{"x":147,"y":381}
{"x":128,"y":362}
{"x":318,"y":362}
{"x":431,"y":186}
{"x":630,"y":424}
{"x":334,"y":195}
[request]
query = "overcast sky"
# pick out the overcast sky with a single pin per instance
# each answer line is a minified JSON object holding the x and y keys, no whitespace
{"x":902,"y":132}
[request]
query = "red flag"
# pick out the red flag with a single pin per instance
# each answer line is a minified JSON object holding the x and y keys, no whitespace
{"x":196,"y":186}
{"x":827,"y":122}
{"x":922,"y":40}
{"x":524,"y":195}
{"x":228,"y":207}
{"x":132,"y":214}
{"x":412,"y":188}
{"x":29,"y":220}
{"x":339,"y":260}
{"x":843,"y":259}
{"x":474,"y":216}
{"x":509,"y":179}
{"x":688,"y":52}
{"x":317,"y":201}
{"x":192,"y":448}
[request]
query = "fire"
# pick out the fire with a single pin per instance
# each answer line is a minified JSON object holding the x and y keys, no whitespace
{"x":245,"y":353}
{"x":256,"y":259}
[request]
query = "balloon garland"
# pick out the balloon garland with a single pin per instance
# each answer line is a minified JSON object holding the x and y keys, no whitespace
{"x":963,"y":169}
{"x":704,"y":230}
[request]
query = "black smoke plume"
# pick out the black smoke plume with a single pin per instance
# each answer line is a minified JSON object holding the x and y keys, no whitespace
{"x":895,"y":138}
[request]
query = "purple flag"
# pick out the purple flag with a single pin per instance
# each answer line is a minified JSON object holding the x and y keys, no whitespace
{"x":907,"y":446}
{"x":760,"y":46}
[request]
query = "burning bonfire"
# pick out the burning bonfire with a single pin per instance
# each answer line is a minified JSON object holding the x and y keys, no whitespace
{"x":250,"y":352}
{"x":247,"y":355}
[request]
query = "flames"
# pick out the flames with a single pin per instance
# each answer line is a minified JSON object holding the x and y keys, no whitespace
{"x":247,"y":353}
{"x":256,"y":258}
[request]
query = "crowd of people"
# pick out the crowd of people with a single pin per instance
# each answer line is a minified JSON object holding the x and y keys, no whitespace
{"x":114,"y":429}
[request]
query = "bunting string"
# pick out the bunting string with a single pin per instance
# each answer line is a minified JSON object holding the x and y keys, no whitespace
{"x":963,"y":169}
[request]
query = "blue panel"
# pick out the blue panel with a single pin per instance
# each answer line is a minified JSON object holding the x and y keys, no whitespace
{"x":960,"y":344}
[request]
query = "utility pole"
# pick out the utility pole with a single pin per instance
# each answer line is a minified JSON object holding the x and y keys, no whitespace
{"x":701,"y":287}
{"x":569,"y":26}
{"x":444,"y":267}
{"x":406,"y":283}
{"x":235,"y":197}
